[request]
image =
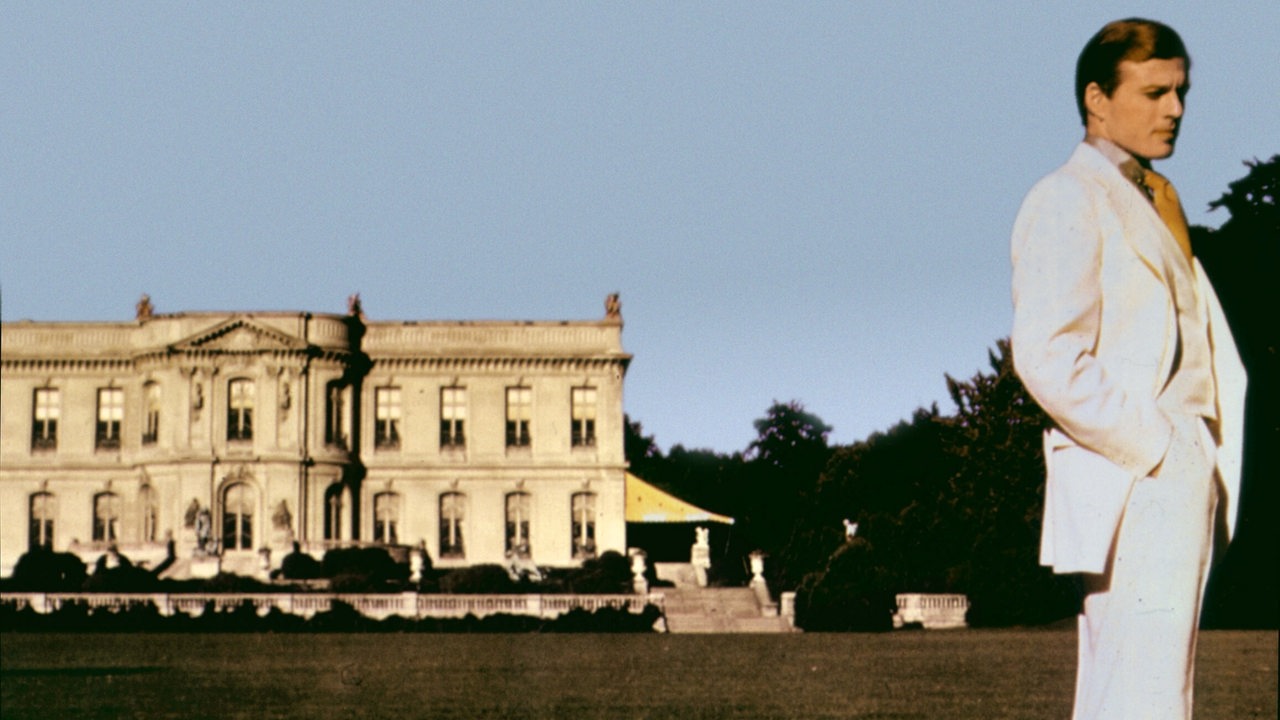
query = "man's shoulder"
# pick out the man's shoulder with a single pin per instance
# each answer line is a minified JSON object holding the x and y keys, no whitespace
{"x":1085,"y":173}
{"x":1086,"y":163}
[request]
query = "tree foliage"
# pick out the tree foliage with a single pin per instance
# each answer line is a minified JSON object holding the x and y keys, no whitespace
{"x":953,"y":503}
{"x":1241,"y":259}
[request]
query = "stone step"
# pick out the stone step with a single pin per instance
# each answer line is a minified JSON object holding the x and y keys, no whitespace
{"x":717,"y":610}
{"x":723,"y":624}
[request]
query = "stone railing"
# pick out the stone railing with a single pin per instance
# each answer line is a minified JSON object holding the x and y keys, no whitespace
{"x":378,"y":606}
{"x":931,"y":611}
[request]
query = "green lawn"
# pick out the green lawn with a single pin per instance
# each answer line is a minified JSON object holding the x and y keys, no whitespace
{"x":955,"y":674}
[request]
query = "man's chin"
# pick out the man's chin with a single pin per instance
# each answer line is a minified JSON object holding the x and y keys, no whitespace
{"x":1163,"y":149}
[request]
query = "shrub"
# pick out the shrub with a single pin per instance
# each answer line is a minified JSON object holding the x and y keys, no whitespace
{"x":478,"y":579}
{"x":298,"y":565}
{"x":125,"y":577}
{"x":364,"y":570}
{"x":609,"y":573}
{"x":341,"y":617}
{"x":43,"y":570}
{"x":232,"y":583}
{"x":848,"y":595}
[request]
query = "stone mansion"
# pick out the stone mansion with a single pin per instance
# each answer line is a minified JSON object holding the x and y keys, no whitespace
{"x":233,"y":435}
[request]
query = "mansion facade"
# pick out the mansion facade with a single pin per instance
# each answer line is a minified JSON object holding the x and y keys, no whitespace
{"x":234,"y":435}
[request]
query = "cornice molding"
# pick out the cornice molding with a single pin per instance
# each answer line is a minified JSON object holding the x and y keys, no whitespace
{"x":66,"y":364}
{"x":239,"y":335}
{"x":497,"y":363}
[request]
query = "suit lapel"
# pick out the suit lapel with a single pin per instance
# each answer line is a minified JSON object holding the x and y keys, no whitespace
{"x":1145,"y":232}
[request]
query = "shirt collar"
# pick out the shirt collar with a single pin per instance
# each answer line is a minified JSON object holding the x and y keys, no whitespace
{"x":1126,"y":163}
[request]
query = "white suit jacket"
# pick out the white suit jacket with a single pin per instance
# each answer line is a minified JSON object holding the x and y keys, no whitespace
{"x":1095,"y":332}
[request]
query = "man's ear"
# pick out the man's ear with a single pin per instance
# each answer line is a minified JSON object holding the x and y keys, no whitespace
{"x":1095,"y":101}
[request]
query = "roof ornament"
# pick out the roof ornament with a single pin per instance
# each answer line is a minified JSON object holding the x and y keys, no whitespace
{"x":353,"y":305}
{"x":613,"y":307}
{"x":144,"y":310}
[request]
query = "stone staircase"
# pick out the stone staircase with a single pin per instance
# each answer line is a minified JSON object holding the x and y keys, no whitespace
{"x":693,"y":609}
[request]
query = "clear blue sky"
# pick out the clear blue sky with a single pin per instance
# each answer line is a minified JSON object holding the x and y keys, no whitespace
{"x":804,"y":201}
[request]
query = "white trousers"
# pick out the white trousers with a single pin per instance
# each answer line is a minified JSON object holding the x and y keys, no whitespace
{"x":1139,"y":622}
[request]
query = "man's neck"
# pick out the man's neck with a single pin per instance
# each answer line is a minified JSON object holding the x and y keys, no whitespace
{"x":1114,"y":152}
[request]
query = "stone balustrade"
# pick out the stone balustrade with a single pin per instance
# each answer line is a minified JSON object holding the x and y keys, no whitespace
{"x":377,"y":606}
{"x":931,"y":611}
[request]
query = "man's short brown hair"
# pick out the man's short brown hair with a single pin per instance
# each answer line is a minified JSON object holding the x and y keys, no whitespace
{"x":1133,"y":39}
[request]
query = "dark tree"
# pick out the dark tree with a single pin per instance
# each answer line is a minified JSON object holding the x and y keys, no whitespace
{"x":779,"y":490}
{"x":1242,"y":259}
{"x":998,"y":490}
{"x":788,"y":437}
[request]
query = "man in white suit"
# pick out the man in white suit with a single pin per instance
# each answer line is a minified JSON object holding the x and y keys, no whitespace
{"x":1120,"y":338}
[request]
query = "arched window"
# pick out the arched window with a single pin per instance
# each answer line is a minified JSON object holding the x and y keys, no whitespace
{"x":240,"y":396}
{"x":238,"y":502}
{"x":584,"y":525}
{"x":147,"y":513}
{"x":106,"y":517}
{"x":150,"y":413}
{"x":386,"y":517}
{"x":43,"y":510}
{"x":452,"y":513}
{"x":518,"y":508}
{"x":335,"y":505}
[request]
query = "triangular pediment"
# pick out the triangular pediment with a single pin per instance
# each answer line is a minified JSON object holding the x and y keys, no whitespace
{"x":240,"y":334}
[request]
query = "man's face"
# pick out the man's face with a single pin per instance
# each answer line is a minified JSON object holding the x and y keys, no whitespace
{"x":1143,"y":113}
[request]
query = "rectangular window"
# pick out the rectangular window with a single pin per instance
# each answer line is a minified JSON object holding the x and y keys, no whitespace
{"x":452,"y":512}
{"x":106,"y":517}
{"x":583,"y":402}
{"x":335,"y":413}
{"x":147,"y":511}
{"x":519,"y":415}
{"x":151,"y":429}
{"x":386,"y":516}
{"x":453,"y":417}
{"x":240,"y":410}
{"x":386,"y":412}
{"x":110,"y":415}
{"x":518,"y":507}
{"x":584,"y":525}
{"x":43,"y":512}
{"x":44,"y":419}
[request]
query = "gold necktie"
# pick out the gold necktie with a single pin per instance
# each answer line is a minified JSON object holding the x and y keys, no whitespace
{"x":1169,"y":209}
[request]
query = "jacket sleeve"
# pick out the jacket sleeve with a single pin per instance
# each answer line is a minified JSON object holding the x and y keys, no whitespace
{"x":1057,"y":315}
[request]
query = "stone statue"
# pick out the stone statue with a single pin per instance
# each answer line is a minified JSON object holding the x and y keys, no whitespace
{"x":353,"y":305}
{"x":204,"y":530}
{"x":850,"y":529}
{"x":700,"y":555}
{"x":143,"y":309}
{"x":189,"y":519}
{"x":613,"y":307}
{"x":282,"y":519}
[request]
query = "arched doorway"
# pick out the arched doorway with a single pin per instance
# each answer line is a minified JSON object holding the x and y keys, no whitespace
{"x":238,"y":503}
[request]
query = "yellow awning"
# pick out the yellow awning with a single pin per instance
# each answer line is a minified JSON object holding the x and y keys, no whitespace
{"x":648,"y":504}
